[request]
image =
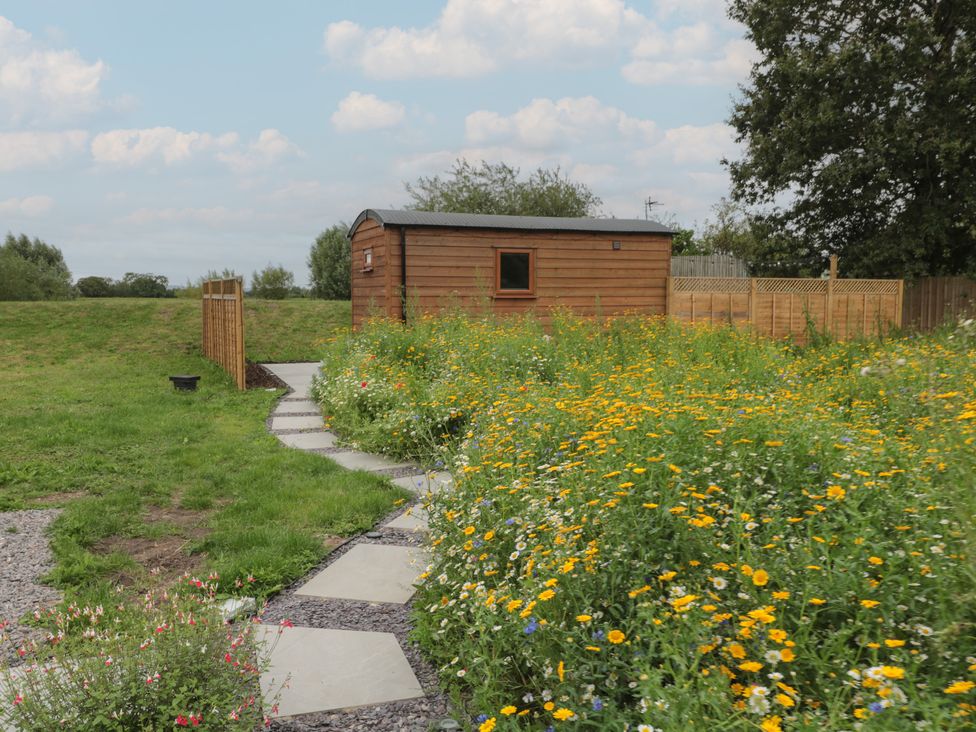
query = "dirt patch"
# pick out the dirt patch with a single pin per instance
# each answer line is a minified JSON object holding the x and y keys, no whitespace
{"x":164,"y":558}
{"x":53,"y":499}
{"x":258,"y":377}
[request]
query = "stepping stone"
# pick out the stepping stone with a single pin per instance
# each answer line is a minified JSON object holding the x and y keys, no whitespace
{"x":422,"y":483}
{"x":309,"y":440}
{"x":296,"y":406}
{"x":414,"y":519}
{"x":355,"y":460}
{"x":369,"y":573}
{"x":297,"y":375}
{"x":297,"y":423}
{"x":334,"y":669}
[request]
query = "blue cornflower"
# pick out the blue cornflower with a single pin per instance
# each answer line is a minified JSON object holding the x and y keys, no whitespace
{"x":597,"y":704}
{"x":509,"y":522}
{"x":532,"y":627}
{"x":876,"y":707}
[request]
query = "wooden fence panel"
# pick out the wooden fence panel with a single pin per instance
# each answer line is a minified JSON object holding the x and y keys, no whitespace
{"x":931,"y":301}
{"x":786,"y":307}
{"x":223,"y":326}
{"x":708,"y":265}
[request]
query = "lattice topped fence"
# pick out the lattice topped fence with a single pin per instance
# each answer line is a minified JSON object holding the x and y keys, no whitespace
{"x":789,"y":307}
{"x":223,"y":326}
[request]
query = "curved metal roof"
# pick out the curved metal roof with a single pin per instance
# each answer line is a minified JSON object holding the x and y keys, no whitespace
{"x":393,"y":217}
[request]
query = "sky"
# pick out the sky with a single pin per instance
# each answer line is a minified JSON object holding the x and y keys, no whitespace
{"x":181,"y":137}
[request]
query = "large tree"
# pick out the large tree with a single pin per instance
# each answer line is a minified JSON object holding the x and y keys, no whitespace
{"x":31,"y":269}
{"x":329,"y":264}
{"x":497,"y":189}
{"x":861,"y":116}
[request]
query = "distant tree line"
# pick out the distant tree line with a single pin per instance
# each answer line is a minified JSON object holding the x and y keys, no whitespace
{"x":132,"y":284}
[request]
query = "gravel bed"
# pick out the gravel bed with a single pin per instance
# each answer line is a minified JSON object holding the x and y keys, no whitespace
{"x":25,"y":555}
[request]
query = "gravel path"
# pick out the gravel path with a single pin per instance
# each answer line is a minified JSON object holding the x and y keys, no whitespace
{"x":24,"y":557}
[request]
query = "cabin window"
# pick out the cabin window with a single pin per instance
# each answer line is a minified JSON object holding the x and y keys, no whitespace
{"x":514,"y":272}
{"x":368,"y":260}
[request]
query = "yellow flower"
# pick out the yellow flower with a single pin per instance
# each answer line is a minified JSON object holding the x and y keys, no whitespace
{"x":563,"y":714}
{"x":875,"y":560}
{"x":785,"y":700}
{"x":508,"y":710}
{"x":771,"y":724}
{"x":781,"y":595}
{"x":468,"y":530}
{"x":736,"y":650}
{"x":835,"y":492}
{"x":549,"y":706}
{"x":547,"y":595}
{"x":616,"y":637}
{"x":489,"y":535}
{"x":959,"y":687}
{"x":869,"y":603}
{"x":750,"y":666}
{"x":674,"y":468}
{"x":893,"y":672}
{"x":488,"y":725}
{"x":561,"y":670}
{"x":774,"y":443}
{"x":787,"y":655}
{"x":760,"y":578}
{"x":816,"y":601}
{"x":584,"y":618}
{"x":681,"y":602}
{"x":894,"y":643}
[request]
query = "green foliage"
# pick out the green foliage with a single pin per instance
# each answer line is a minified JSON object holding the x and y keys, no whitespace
{"x":496,"y":189}
{"x":163,"y":662}
{"x":683,"y":527}
{"x":32,"y":270}
{"x":95,"y":286}
{"x":862,"y":114}
{"x":195,"y":289}
{"x":272,"y":283}
{"x":329,"y":264}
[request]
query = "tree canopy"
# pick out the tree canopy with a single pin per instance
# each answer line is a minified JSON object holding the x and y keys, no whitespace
{"x":272,"y":283}
{"x":497,"y":189}
{"x":329,"y":264}
{"x":31,"y":269}
{"x":862,"y":115}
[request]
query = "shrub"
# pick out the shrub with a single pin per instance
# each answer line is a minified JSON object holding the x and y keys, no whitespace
{"x":272,"y":283}
{"x":329,"y":264}
{"x":32,"y":270}
{"x":166,"y":662}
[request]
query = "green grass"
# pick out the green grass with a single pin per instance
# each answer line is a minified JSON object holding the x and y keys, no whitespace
{"x":148,"y":476}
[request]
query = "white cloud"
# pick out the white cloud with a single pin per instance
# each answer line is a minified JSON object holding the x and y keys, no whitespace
{"x":473,"y":37}
{"x":358,"y":112}
{"x":45,"y":84}
{"x":270,"y":147}
{"x":155,"y":144}
{"x":36,"y":149}
{"x":215,"y":216}
{"x":547,"y":124}
{"x":692,"y":144}
{"x":30,"y":206}
{"x":678,"y":42}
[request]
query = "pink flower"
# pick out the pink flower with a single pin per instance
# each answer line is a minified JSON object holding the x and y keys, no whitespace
{"x":286,"y":623}
{"x":18,"y":700}
{"x":182,"y":721}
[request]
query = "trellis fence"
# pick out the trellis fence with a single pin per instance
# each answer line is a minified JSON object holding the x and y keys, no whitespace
{"x":931,"y":301}
{"x":223,"y":326}
{"x":781,"y":307}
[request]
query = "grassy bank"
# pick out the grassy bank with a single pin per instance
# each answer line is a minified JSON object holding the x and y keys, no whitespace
{"x":150,"y":478}
{"x":666,"y":527}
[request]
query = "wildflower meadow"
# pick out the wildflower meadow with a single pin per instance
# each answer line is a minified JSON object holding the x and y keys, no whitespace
{"x":664,"y":527}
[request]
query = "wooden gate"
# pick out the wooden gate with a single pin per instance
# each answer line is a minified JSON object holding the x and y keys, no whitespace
{"x":931,"y":301}
{"x":223,"y":326}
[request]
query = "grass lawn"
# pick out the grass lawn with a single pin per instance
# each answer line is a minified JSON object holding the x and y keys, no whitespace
{"x":149,"y":477}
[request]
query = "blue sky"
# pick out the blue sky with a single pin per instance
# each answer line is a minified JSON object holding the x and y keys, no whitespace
{"x":180,"y":137}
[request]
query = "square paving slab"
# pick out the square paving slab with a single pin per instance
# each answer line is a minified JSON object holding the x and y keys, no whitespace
{"x":414,"y":519}
{"x":335,"y":669}
{"x":355,"y":460}
{"x":297,"y":423}
{"x":296,"y":406}
{"x":369,"y":573}
{"x":297,"y":375}
{"x":309,"y":440}
{"x":423,"y":483}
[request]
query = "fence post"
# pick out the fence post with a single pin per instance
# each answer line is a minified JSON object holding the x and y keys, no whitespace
{"x":239,"y":307}
{"x":753,"y":290}
{"x":900,"y":304}
{"x":669,"y":297}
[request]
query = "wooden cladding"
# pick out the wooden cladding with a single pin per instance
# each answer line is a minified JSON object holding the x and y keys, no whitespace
{"x":223,"y":326}
{"x":933,"y":301}
{"x":787,"y":307}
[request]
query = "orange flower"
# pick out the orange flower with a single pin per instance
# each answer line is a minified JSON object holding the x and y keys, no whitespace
{"x":616,"y":637}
